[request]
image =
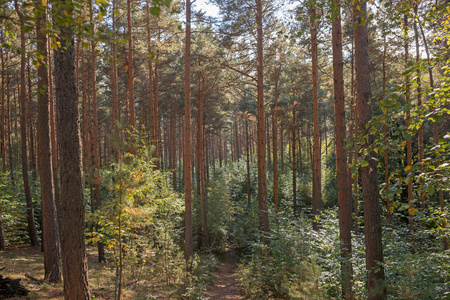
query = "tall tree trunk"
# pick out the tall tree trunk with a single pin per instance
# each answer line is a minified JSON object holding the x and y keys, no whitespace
{"x":261,"y":126}
{"x":372,"y":219}
{"x":294,"y":162}
{"x":408,"y":123}
{"x":54,"y":149}
{"x":419,"y":104}
{"x":75,"y":270}
{"x":281,"y":150}
{"x":96,"y":142}
{"x":30,"y":124}
{"x":275,"y":144}
{"x":343,"y":182}
{"x":317,"y":186}
{"x":150,"y":78}
{"x":23,"y":135}
{"x":247,"y":151}
{"x":9,"y":122}
{"x":386,"y":159}
{"x":188,"y":250}
{"x":114,"y":88}
{"x":201,"y":157}
{"x":50,"y":220}
{"x":4,"y":119}
{"x":130,"y":76}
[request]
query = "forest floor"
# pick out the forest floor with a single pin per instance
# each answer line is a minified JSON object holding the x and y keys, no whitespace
{"x":22,"y":260}
{"x":226,"y":285}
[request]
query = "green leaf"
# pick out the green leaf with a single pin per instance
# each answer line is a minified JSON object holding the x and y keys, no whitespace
{"x":155,"y":11}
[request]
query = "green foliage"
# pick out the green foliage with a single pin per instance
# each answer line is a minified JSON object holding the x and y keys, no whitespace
{"x":203,"y":266}
{"x":143,"y":205}
{"x":13,"y":210}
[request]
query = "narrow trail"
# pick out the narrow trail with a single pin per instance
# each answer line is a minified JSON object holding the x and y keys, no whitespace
{"x":226,"y":286}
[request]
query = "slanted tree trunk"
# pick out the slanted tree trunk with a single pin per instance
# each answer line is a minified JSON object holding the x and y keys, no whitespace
{"x":75,"y":270}
{"x":343,"y":183}
{"x":188,"y":250}
{"x":50,"y":220}
{"x":317,"y":186}
{"x":23,"y":135}
{"x":261,"y":127}
{"x":372,"y":219}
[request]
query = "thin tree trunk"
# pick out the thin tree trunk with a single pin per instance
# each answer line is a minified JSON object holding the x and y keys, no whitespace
{"x":248,"y":161}
{"x":96,"y":143}
{"x":419,"y":104}
{"x":317,"y":186}
{"x":261,"y":126}
{"x":114,"y":88}
{"x":408,"y":123}
{"x":9,"y":122}
{"x":386,"y":159}
{"x":50,"y":220}
{"x":53,"y":141}
{"x":30,"y":124}
{"x":4,"y":120}
{"x":294,"y":163}
{"x":372,"y":220}
{"x":23,"y":136}
{"x":188,"y":251}
{"x":275,"y":144}
{"x":130,"y":76}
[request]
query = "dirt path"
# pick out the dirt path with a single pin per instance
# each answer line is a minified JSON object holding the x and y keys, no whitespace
{"x":226,"y":286}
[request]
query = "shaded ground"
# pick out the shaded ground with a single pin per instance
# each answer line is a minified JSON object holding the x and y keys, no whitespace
{"x":19,"y":261}
{"x":226,"y":285}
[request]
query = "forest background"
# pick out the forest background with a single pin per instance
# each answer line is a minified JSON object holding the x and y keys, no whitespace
{"x":310,"y":136}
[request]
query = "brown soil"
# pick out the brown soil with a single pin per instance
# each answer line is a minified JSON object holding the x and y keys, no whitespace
{"x":226,"y":286}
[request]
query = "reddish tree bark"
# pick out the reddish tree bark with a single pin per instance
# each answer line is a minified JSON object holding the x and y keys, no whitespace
{"x":188,"y":250}
{"x":261,"y":126}
{"x":75,"y":272}
{"x":50,"y":220}
{"x":23,"y":135}
{"x":343,"y":182}
{"x":372,"y":220}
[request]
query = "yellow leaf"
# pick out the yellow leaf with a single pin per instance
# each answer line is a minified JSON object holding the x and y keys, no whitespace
{"x":403,"y":143}
{"x":412,"y":210}
{"x":407,"y":168}
{"x":358,"y":7}
{"x":100,"y":17}
{"x":44,"y":3}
